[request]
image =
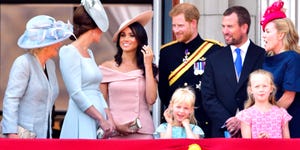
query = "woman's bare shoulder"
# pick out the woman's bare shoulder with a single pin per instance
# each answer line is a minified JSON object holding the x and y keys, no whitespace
{"x":108,"y":64}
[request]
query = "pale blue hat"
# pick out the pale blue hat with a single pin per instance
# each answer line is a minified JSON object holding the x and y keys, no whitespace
{"x":96,"y":10}
{"x":43,"y":30}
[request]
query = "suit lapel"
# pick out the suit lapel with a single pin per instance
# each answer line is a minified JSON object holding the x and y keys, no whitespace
{"x":228,"y":63}
{"x":248,"y":65}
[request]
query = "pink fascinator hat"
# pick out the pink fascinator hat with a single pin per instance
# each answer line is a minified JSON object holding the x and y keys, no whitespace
{"x":275,"y":11}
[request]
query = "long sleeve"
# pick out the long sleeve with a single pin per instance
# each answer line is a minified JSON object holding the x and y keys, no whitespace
{"x":70,"y":67}
{"x":16,"y":87}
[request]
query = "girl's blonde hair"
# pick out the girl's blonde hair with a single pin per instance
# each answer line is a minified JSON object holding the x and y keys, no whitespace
{"x":185,"y":95}
{"x":291,"y":37}
{"x":250,"y":101}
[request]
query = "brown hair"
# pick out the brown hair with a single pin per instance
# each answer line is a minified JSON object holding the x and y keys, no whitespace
{"x":190,"y":11}
{"x":242,"y":14}
{"x":82,"y":22}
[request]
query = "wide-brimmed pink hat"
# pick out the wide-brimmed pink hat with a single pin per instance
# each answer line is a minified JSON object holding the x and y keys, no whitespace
{"x":143,"y":18}
{"x":275,"y":11}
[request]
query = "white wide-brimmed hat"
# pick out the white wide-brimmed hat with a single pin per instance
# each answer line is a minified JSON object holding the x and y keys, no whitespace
{"x":96,"y":10}
{"x":143,"y":18}
{"x":43,"y":30}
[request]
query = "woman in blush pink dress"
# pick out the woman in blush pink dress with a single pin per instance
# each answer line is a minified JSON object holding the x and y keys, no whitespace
{"x":129,"y":84}
{"x":262,"y":118}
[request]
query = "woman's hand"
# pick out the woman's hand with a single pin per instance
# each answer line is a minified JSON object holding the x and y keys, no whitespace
{"x":111,"y":122}
{"x":13,"y":136}
{"x":126,"y":129}
{"x":148,"y":55}
{"x":107,"y":127}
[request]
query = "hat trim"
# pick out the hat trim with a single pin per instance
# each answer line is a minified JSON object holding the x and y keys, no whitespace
{"x":97,"y":12}
{"x":143,"y":18}
{"x":40,"y":34}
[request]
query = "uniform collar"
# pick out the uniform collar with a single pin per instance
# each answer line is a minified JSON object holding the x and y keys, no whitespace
{"x":194,"y":44}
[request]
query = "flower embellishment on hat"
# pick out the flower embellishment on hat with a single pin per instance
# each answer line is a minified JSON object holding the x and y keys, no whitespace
{"x":275,"y":11}
{"x":43,"y":30}
{"x":96,"y":11}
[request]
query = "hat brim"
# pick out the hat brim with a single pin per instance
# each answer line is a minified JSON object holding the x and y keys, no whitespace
{"x":97,"y":12}
{"x":25,"y":43}
{"x":142,"y":18}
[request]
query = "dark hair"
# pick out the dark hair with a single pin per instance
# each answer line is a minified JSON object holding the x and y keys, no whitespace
{"x":242,"y":14}
{"x":142,"y":39}
{"x":82,"y":22}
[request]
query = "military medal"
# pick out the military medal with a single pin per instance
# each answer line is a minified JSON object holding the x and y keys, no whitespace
{"x":186,"y":53}
{"x":198,"y":86}
{"x":199,"y":66}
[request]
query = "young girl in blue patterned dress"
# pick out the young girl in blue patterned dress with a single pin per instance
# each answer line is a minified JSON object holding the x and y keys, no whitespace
{"x":181,"y":122}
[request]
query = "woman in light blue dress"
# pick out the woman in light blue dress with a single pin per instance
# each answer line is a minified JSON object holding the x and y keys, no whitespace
{"x":87,"y":108}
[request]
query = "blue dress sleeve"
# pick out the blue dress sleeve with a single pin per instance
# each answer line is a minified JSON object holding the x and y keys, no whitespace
{"x":160,"y":129}
{"x":197,"y":130}
{"x":70,"y":67}
{"x":292,"y":74}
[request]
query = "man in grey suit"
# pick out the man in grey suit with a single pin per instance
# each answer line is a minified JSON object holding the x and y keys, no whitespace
{"x":224,"y":84}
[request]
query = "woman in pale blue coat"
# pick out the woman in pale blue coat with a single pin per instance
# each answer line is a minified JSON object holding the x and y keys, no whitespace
{"x":87,"y":108}
{"x":32,"y":86}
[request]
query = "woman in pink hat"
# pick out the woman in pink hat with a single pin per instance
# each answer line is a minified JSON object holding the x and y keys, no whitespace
{"x":129,"y":84}
{"x":283,"y":60}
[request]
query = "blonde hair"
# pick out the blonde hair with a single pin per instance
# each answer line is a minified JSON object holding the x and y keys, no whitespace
{"x":250,"y":101}
{"x":185,"y":95}
{"x":35,"y":51}
{"x":190,"y":11}
{"x":291,"y":37}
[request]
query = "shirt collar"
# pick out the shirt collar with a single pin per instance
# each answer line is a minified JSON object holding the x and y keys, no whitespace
{"x":243,"y":48}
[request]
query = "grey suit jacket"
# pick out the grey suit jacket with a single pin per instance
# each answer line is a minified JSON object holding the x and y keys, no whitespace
{"x":29,"y":96}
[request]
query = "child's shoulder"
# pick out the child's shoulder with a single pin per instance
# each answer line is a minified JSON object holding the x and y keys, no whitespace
{"x":197,"y":130}
{"x":278,"y":109}
{"x":162,"y":125}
